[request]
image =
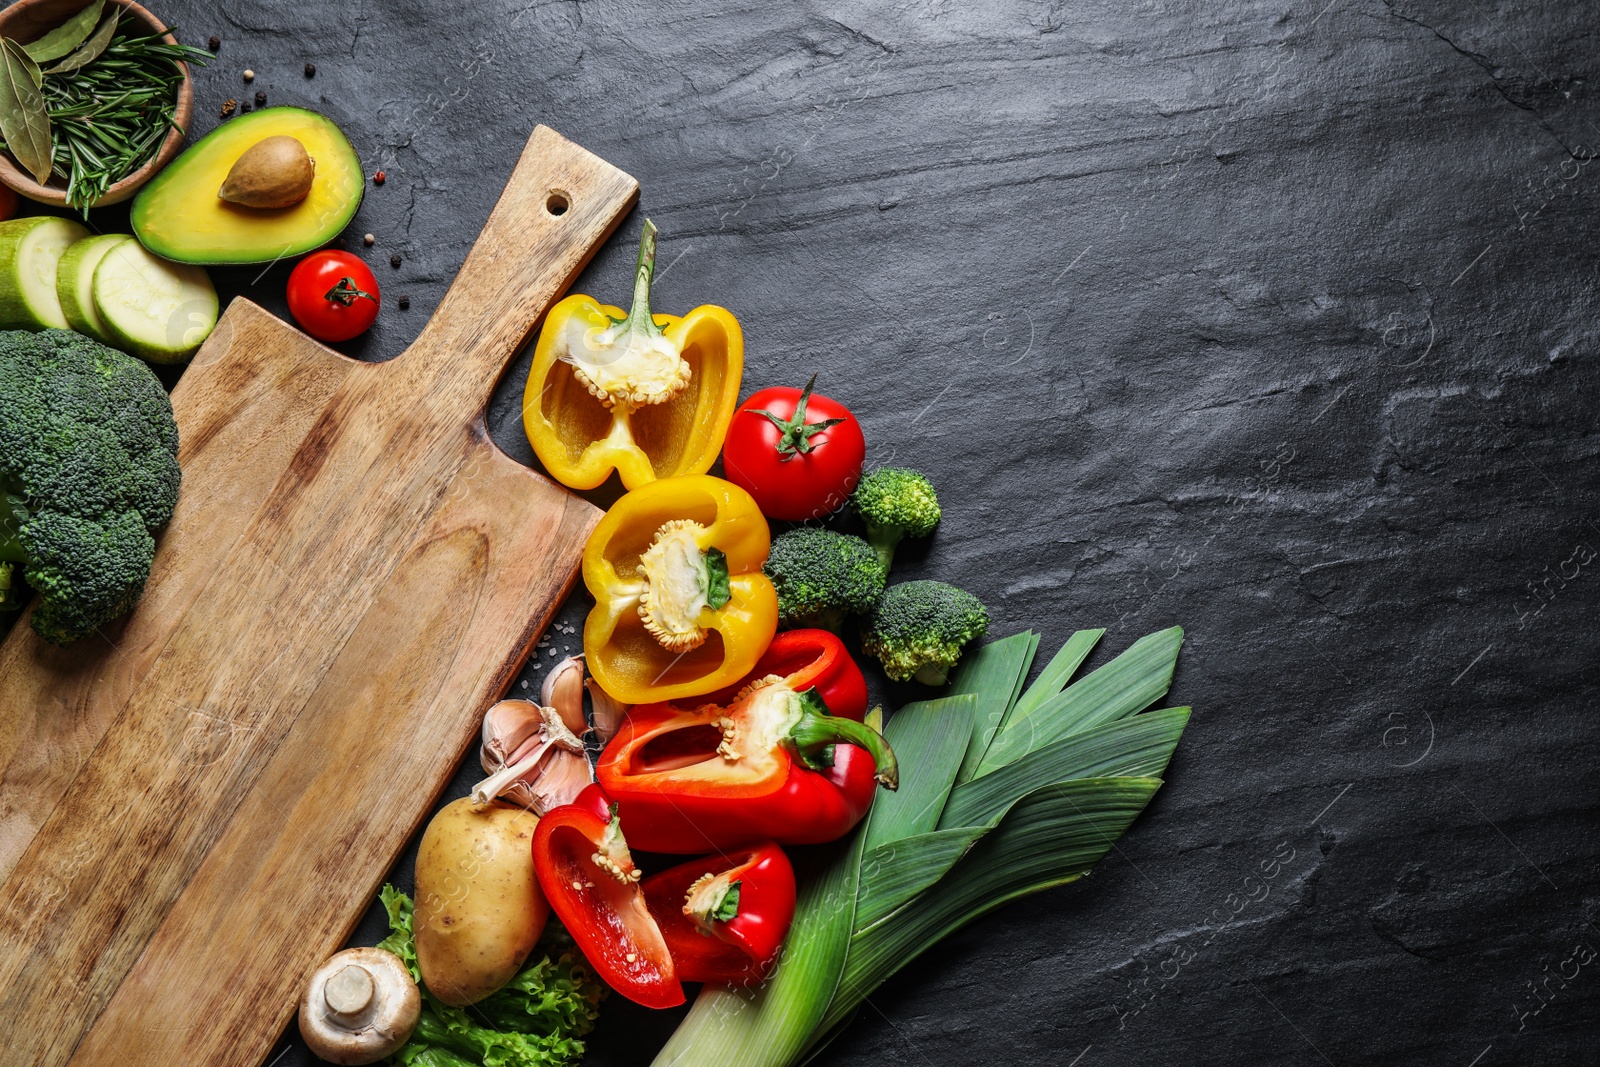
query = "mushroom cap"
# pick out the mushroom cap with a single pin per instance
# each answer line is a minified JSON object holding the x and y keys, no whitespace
{"x":359,"y":1007}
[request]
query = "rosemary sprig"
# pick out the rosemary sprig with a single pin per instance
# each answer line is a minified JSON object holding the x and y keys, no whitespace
{"x":109,"y":117}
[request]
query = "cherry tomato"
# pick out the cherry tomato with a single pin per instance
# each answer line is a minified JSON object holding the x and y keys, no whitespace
{"x":797,"y":452}
{"x":333,"y":295}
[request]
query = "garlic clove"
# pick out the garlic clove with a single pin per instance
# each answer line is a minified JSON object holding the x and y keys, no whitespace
{"x":563,"y":690}
{"x":507,"y":727}
{"x":564,"y":775}
{"x":608,"y":711}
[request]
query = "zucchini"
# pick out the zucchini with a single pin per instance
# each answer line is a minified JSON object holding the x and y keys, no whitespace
{"x":75,"y":280}
{"x":30,"y":248}
{"x":156,"y":309}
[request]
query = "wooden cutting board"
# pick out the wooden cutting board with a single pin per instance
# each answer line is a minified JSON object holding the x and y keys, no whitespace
{"x":196,"y":810}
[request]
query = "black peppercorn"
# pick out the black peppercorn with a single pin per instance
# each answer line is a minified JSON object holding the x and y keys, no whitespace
{"x":244,"y":109}
{"x":261,"y":98}
{"x":405,"y":302}
{"x":311,"y":70}
{"x":215,"y":43}
{"x":394,"y":261}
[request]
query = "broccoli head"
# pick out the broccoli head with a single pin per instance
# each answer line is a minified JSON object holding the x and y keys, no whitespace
{"x":895,"y":502}
{"x":88,"y":473}
{"x":920,"y":628}
{"x":822,"y":576}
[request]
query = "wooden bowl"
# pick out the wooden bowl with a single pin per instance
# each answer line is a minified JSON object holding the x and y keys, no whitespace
{"x":28,"y":20}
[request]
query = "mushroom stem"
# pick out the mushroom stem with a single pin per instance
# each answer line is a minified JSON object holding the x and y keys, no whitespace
{"x":349,"y":992}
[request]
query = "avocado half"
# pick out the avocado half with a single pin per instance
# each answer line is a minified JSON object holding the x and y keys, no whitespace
{"x":178,"y":214}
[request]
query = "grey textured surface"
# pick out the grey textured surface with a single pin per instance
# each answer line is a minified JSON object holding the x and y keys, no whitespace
{"x":1276,"y":320}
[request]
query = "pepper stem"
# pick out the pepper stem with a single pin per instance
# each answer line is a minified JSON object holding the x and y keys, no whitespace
{"x":817,"y":729}
{"x":639,"y":318}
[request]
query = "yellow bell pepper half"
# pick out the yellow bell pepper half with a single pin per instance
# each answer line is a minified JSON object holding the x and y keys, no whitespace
{"x":681,"y":606}
{"x":649,"y":396}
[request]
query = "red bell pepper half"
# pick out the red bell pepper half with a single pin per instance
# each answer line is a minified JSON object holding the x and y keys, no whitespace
{"x":724,"y":917}
{"x":809,"y":659}
{"x":768,"y":761}
{"x":587,"y":874}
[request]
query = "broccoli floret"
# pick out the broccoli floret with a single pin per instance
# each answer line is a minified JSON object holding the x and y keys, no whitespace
{"x":920,"y":628}
{"x":895,"y":502}
{"x":822,"y":576}
{"x":88,"y":473}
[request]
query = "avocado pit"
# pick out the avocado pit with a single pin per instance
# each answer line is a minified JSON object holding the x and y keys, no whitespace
{"x":275,"y":172}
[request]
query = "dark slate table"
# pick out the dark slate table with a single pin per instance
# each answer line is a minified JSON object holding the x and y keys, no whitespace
{"x":1276,"y":320}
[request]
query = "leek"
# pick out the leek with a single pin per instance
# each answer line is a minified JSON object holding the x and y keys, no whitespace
{"x":1004,"y":792}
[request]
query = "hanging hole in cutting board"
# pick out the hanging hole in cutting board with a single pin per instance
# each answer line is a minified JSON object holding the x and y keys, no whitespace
{"x":557,"y":203}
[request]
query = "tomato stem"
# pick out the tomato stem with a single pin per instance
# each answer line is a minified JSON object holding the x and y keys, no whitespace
{"x":796,"y":432}
{"x":347,"y":292}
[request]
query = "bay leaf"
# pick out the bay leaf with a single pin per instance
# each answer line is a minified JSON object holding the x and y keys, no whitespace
{"x":90,"y":50}
{"x":67,"y":36}
{"x":24,"y":122}
{"x":33,"y":69}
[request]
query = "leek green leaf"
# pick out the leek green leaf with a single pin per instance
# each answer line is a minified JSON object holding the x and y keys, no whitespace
{"x":24,"y":123}
{"x":1139,"y":746}
{"x":892,"y":874}
{"x":1051,"y":837}
{"x":67,"y":36}
{"x":1055,"y":676}
{"x":1001,"y":795}
{"x":929,"y":739}
{"x":1131,"y":682}
{"x":994,"y":675}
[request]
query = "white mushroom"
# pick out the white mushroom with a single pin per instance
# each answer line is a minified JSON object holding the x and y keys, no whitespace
{"x":359,"y":1007}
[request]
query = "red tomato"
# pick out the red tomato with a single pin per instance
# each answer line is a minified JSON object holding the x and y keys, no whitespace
{"x":333,"y":295}
{"x":797,"y":452}
{"x":8,"y":202}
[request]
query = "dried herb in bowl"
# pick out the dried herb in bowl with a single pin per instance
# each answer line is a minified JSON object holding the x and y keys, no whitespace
{"x":100,"y":107}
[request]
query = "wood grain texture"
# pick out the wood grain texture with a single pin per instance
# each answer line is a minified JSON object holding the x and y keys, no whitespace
{"x":307,"y":670}
{"x":241,"y":421}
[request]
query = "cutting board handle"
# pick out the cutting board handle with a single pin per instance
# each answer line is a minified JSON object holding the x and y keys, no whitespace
{"x":557,"y":209}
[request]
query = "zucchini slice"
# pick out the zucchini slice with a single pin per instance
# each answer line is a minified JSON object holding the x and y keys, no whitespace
{"x":156,"y":309}
{"x":30,"y":248}
{"x":75,"y":281}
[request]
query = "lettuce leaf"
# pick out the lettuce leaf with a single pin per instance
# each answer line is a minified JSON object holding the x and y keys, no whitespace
{"x":536,"y":1020}
{"x":398,"y":905}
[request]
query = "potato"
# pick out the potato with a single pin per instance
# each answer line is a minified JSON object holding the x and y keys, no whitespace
{"x":479,"y":906}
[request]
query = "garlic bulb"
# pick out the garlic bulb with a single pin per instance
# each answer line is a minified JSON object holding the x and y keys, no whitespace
{"x":532,"y":758}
